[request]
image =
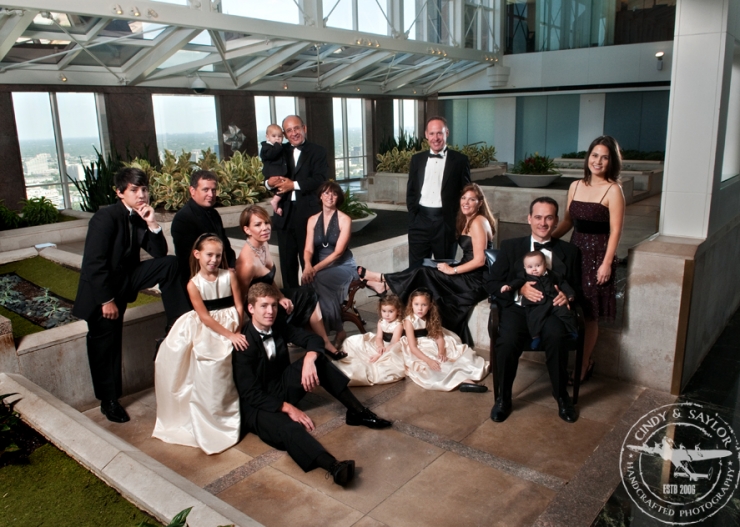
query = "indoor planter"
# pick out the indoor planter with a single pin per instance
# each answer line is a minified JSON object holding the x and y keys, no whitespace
{"x":534,"y":171}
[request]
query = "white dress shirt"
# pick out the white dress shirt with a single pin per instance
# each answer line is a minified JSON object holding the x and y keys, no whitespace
{"x":431,"y":190}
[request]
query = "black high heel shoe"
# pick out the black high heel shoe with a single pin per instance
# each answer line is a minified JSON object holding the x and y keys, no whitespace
{"x":336,"y":356}
{"x":384,"y":292}
{"x":587,"y":375}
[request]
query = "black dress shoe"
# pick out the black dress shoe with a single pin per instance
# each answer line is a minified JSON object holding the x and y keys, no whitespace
{"x":113,"y":410}
{"x":566,"y":410}
{"x":366,"y":418}
{"x":343,"y":472}
{"x":472,"y":387}
{"x":501,"y":410}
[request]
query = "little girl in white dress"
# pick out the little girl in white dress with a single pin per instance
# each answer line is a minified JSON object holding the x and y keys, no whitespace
{"x":197,"y":401}
{"x":435,"y":358}
{"x":376,"y":358}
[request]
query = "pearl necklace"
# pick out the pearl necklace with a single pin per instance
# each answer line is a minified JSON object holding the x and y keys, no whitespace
{"x":261,"y":252}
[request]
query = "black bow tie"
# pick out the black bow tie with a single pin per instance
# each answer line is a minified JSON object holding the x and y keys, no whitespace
{"x":439,"y":156}
{"x":300,"y":146}
{"x":547,"y":246}
{"x":265,"y":336}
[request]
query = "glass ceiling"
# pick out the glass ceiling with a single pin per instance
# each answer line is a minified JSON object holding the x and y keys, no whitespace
{"x":111,"y":44}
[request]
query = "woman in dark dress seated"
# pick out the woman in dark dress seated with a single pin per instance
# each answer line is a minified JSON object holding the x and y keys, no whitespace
{"x":456,"y":288}
{"x":255,"y":264}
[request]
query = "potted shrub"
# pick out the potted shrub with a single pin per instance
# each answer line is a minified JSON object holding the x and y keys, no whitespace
{"x":359,"y":212}
{"x":533,"y":172}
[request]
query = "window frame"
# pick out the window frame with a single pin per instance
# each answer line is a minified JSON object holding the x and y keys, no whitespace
{"x":345,"y":158}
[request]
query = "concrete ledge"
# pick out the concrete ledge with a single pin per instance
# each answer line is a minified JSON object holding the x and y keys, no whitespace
{"x":62,"y":257}
{"x":17,"y":255}
{"x":58,"y":233}
{"x":140,"y":479}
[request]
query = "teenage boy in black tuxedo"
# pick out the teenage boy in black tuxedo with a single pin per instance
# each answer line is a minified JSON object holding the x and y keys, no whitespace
{"x":199,"y":216}
{"x":270,"y":386}
{"x":436,"y":180}
{"x":307,"y":170}
{"x":513,"y":337}
{"x":112,"y":275}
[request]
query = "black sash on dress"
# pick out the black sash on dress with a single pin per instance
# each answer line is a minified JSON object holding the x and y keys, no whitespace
{"x":420,"y":333}
{"x":591,"y":227}
{"x":387,"y":337}
{"x":219,"y":303}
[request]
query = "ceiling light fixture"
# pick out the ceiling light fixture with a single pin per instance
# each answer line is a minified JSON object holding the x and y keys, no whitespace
{"x":135,"y":11}
{"x":285,"y":85}
{"x":152,"y":13}
{"x":659,"y":56}
{"x":62,"y":77}
{"x":358,"y":88}
{"x":117,"y":9}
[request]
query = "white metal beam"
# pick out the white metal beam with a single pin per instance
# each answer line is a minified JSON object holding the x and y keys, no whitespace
{"x":449,"y":81}
{"x":165,"y":48}
{"x":402,"y":80}
{"x":271,"y":63}
{"x":13,"y":28}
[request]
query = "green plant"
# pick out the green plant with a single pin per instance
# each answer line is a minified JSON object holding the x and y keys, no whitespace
{"x":397,"y":161}
{"x":479,"y":155}
{"x":180,"y":520}
{"x":9,"y":219}
{"x":240,"y":180}
{"x":353,"y":207}
{"x":404,"y":143}
{"x":535,"y":164}
{"x":574,"y":155}
{"x":98,"y":187}
{"x":9,"y":422}
{"x":39,"y":211}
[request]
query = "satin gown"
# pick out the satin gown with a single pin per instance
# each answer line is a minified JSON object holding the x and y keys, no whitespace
{"x":462,"y":363}
{"x":197,"y":401}
{"x":456,"y":295}
{"x":332,"y":282}
{"x":361,"y":348}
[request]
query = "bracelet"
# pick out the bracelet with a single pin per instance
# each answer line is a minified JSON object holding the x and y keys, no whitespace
{"x":455,"y":270}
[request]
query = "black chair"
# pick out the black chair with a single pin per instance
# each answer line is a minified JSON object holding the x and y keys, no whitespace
{"x":350,"y":313}
{"x":573,"y":344}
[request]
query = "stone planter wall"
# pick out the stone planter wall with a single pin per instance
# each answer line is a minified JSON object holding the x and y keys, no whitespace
{"x":58,"y":233}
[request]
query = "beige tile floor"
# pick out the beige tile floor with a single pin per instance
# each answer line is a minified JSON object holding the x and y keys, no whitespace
{"x":444,"y":462}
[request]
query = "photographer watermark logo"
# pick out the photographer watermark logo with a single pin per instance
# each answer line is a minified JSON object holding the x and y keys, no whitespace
{"x":680,"y":463}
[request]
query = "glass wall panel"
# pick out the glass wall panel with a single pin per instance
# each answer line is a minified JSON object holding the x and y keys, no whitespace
{"x":338,"y":127}
{"x":275,"y":10}
{"x":409,"y":18}
{"x":349,"y":138}
{"x":284,"y":106}
{"x":37,"y":142}
{"x":637,"y":120}
{"x":262,"y":116}
{"x":370,"y":17}
{"x":185,"y":123}
{"x":409,"y":117}
{"x":339,"y":13}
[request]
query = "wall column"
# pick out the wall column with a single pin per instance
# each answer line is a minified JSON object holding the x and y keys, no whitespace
{"x":131,"y":123}
{"x":590,"y":118}
{"x":12,"y":181}
{"x":238,"y":110}
{"x":319,"y":117}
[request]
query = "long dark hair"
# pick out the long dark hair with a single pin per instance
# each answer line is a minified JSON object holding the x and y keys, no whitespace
{"x":483,"y":209}
{"x":615,"y":159}
{"x":198,"y":246}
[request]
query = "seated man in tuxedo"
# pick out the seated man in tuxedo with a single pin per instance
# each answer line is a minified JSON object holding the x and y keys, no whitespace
{"x":270,"y":386}
{"x":112,"y":275}
{"x":513,"y":338}
{"x":199,"y":216}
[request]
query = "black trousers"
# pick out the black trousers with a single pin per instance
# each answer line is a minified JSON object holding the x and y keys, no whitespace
{"x":280,"y":431}
{"x":537,"y":314}
{"x":291,"y":243}
{"x":429,"y":234}
{"x":513,"y":339}
{"x":104,"y":336}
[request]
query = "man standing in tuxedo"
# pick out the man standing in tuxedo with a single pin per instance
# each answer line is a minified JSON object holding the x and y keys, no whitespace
{"x":112,"y":275}
{"x":270,"y":386}
{"x":513,"y":337}
{"x":199,"y":216}
{"x":307,"y":169}
{"x":436,"y":179}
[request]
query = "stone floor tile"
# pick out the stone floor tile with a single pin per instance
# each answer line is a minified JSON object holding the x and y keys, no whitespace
{"x":367,"y":521}
{"x":364,"y":393}
{"x":385,"y":461}
{"x":275,"y":499}
{"x":252,"y":445}
{"x":138,"y":429}
{"x":453,"y":415}
{"x":456,"y":491}
{"x":528,"y":437}
{"x":193,"y":463}
{"x":600,"y":399}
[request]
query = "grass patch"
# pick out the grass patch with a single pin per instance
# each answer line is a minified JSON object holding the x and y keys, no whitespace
{"x":58,"y":279}
{"x":53,"y":489}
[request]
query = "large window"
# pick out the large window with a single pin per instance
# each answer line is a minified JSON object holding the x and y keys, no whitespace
{"x":275,"y":10}
{"x":269,"y":110}
{"x":185,"y":122}
{"x":404,"y":116}
{"x":359,"y":15}
{"x":349,"y":138}
{"x":53,"y":127}
{"x":479,"y":24}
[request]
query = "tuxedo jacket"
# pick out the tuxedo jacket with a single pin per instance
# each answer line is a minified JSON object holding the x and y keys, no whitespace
{"x":310,"y":172}
{"x":259,"y":380}
{"x":274,"y":162}
{"x":190,"y":222}
{"x":545,"y":284}
{"x":107,"y":260}
{"x":566,"y":262}
{"x":455,"y":176}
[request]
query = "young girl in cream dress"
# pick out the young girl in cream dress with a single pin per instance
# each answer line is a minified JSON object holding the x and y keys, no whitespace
{"x":435,"y":358}
{"x":376,"y":358}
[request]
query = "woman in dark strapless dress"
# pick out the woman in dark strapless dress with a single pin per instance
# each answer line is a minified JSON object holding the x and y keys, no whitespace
{"x":458,"y":288}
{"x":595,"y":211}
{"x":255,"y":264}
